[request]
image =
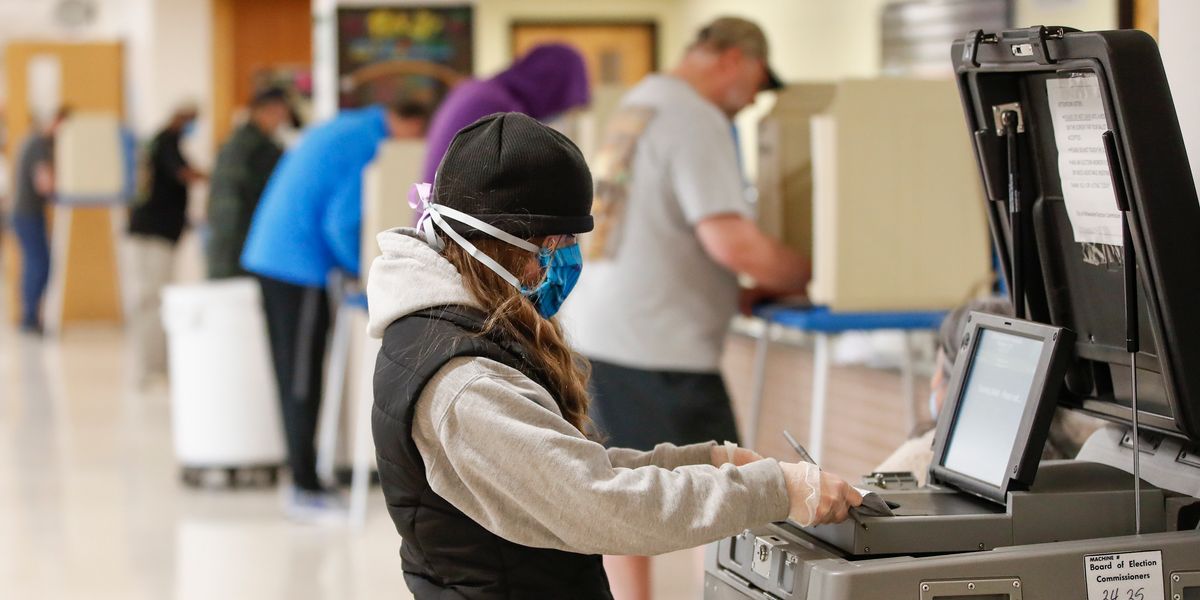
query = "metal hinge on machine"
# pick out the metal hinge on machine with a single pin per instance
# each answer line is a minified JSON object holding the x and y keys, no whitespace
{"x":891,"y":480}
{"x":1032,"y":44}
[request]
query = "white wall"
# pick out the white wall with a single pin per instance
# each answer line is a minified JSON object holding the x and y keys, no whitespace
{"x":811,"y":40}
{"x":1180,"y":46}
{"x":1085,"y":15}
{"x":178,"y":68}
{"x":35,"y":19}
{"x":167,"y":46}
{"x":138,"y":51}
{"x":26,"y":20}
{"x":168,"y":60}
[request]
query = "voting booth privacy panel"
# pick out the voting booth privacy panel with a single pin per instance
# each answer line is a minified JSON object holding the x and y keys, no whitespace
{"x":874,"y":179}
{"x":1094,"y":213}
{"x":386,"y":183}
{"x":90,"y":165}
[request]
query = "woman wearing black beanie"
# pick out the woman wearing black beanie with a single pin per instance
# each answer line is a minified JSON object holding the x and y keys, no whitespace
{"x":480,"y":413}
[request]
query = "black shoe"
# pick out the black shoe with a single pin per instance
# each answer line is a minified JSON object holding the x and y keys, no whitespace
{"x":33,"y":329}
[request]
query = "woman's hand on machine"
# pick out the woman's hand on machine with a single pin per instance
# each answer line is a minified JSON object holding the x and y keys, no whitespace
{"x":817,"y":497}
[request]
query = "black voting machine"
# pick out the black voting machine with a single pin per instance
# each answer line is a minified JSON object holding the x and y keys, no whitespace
{"x":1094,"y":215}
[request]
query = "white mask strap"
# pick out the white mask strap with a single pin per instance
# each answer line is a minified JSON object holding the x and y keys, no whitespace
{"x":434,"y":214}
{"x":492,"y":230}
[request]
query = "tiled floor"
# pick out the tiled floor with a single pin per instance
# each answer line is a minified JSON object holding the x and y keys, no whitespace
{"x":91,"y":507}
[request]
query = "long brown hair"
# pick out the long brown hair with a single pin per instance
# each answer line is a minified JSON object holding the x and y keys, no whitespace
{"x":513,"y":315}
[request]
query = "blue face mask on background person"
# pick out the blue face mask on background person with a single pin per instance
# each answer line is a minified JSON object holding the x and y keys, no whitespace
{"x":562,"y":267}
{"x":189,"y":128}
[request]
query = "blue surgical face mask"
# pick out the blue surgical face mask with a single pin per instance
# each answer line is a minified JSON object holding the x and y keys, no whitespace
{"x":933,"y":407}
{"x":562,"y":267}
{"x":189,"y":128}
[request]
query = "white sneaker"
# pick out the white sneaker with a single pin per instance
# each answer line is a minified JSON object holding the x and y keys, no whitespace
{"x":314,"y":507}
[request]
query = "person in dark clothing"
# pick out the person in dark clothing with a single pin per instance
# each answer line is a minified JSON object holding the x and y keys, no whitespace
{"x":244,"y":164}
{"x":156,"y":222}
{"x":34,"y":189}
{"x":307,"y":226}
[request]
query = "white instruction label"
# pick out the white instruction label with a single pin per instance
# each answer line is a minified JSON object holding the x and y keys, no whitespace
{"x":1077,"y":111}
{"x":1125,"y":576}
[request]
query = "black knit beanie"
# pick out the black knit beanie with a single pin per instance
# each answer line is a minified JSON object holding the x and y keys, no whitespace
{"x":510,"y":171}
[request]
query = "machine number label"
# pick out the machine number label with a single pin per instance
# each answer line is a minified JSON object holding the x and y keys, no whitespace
{"x":1124,"y":576}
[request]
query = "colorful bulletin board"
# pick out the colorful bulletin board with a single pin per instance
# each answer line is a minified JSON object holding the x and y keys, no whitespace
{"x":413,"y":53}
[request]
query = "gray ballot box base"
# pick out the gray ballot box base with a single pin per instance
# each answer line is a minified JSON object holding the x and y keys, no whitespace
{"x":1051,"y":571}
{"x":1070,"y":500}
{"x":942,"y":536}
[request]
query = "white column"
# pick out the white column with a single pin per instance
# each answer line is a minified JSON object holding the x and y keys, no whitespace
{"x":325,"y":83}
{"x":1180,"y":46}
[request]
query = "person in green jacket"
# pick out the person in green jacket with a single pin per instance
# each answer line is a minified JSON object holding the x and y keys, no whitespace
{"x":244,"y":164}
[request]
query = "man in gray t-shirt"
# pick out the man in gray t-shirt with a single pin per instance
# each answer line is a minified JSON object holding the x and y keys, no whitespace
{"x":673,"y":232}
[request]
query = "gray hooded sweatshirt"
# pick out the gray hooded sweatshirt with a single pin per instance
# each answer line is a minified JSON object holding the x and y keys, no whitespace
{"x":496,"y":446}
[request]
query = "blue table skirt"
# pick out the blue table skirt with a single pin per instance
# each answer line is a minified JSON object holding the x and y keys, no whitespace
{"x":819,"y":319}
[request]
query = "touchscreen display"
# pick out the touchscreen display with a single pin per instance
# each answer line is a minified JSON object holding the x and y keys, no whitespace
{"x":992,"y":404}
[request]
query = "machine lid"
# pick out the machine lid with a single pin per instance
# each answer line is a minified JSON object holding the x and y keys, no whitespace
{"x":1069,"y":88}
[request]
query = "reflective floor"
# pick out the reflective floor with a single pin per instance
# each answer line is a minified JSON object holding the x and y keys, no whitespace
{"x":91,"y":505}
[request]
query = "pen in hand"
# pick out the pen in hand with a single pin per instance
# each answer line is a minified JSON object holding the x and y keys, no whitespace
{"x":804,"y":455}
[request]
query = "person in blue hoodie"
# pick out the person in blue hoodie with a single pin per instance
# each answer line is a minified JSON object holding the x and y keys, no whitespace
{"x":306,"y":226}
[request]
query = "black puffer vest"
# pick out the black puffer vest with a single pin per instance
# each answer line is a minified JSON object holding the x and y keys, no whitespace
{"x":445,"y":554}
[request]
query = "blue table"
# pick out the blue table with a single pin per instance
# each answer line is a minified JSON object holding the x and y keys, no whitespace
{"x":825,"y":323}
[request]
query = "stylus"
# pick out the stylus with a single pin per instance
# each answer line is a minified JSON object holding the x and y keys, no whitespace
{"x":804,"y":455}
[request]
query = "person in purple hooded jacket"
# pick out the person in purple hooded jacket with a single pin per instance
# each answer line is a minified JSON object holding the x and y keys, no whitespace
{"x":549,"y":80}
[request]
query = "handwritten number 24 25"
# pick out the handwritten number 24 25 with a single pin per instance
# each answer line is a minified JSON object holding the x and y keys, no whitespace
{"x":1115,"y":594}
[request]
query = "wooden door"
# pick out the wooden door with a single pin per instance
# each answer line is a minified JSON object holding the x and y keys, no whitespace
{"x":1138,"y":14}
{"x":617,"y":54}
{"x":250,"y":40}
{"x":91,"y":80}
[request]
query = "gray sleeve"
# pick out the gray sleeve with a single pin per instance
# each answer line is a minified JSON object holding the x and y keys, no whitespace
{"x":517,"y":468}
{"x":45,"y":151}
{"x":705,"y":174}
{"x":667,"y":456}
